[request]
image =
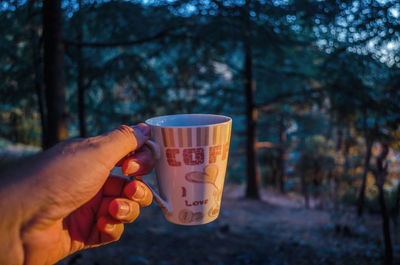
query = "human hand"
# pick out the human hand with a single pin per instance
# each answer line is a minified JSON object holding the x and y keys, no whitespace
{"x":64,"y":200}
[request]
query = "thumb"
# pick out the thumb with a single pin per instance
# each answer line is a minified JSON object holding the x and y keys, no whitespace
{"x":114,"y":145}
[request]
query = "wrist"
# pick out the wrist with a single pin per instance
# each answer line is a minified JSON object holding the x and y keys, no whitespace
{"x":11,"y":223}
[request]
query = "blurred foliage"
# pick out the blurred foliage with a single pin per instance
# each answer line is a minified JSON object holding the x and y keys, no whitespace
{"x":320,"y":66}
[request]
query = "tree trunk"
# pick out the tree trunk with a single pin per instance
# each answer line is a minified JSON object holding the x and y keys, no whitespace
{"x":335,"y":180}
{"x":40,"y":93}
{"x":281,"y":154}
{"x":361,"y":196}
{"x":54,"y":73}
{"x":339,"y":139}
{"x":81,"y":85}
{"x":385,"y":227}
{"x":380,"y":176}
{"x":81,"y":96}
{"x":332,"y":189}
{"x":346,"y":151}
{"x":395,"y":213}
{"x":396,"y":205}
{"x":274,"y":172}
{"x":36,"y":45}
{"x":15,"y":121}
{"x":253,"y":177}
{"x":304,"y":188}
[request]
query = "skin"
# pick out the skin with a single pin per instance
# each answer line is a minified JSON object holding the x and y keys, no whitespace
{"x":64,"y":199}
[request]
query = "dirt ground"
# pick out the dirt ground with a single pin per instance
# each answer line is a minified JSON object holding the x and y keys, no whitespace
{"x":276,"y":230}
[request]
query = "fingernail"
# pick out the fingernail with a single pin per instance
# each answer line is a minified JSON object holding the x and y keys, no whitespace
{"x":140,"y":192}
{"x":124,"y":209}
{"x":143,"y":127}
{"x":132,"y":167}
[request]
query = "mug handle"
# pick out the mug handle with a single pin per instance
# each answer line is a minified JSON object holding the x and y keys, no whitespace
{"x":155,"y":149}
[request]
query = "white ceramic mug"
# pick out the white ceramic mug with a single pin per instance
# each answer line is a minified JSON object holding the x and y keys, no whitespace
{"x":192,"y":154}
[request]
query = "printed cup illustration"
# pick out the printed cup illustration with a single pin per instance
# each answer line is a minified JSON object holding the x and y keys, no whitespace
{"x":192,"y":154}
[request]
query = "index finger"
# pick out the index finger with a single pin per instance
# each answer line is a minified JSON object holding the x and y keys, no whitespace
{"x":113,"y":146}
{"x":142,"y":133}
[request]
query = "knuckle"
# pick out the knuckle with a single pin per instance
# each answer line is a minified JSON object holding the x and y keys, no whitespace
{"x":125,"y":129}
{"x":69,"y":146}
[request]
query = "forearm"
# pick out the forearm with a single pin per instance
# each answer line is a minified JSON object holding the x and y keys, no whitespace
{"x":11,"y":247}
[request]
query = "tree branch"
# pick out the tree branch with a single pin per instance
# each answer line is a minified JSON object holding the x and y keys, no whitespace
{"x":265,"y":105}
{"x":281,"y":71}
{"x":267,"y":145}
{"x":156,"y":36}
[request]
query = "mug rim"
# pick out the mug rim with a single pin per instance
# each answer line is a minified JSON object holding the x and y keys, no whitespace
{"x":224,"y":119}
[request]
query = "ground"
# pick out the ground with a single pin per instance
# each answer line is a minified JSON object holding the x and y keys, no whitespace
{"x":276,"y":230}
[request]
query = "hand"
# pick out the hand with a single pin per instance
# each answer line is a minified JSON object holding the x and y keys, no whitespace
{"x":64,"y":200}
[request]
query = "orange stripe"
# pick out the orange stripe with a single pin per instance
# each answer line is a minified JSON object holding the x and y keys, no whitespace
{"x":215,"y":132}
{"x":206,"y":135}
{"x":180,"y":137}
{"x":229,"y":131}
{"x":163,"y":131}
{"x":219,"y":134}
{"x":189,"y":137}
{"x":171,"y":137}
{"x":184,"y":137}
{"x":198,"y":136}
{"x":223,"y":133}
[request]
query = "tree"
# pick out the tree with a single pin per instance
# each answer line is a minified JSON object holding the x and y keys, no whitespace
{"x":369,"y":137}
{"x":253,"y":175}
{"x":80,"y":81}
{"x":281,"y":153}
{"x":53,"y":58}
{"x":353,"y":103}
{"x":37,"y":65}
{"x":121,"y":72}
{"x":242,"y":26}
{"x":380,"y":173}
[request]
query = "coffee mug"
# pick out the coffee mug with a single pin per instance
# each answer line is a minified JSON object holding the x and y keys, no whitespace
{"x":191,"y":153}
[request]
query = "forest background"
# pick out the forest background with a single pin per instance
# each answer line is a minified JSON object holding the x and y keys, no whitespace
{"x":313,"y":88}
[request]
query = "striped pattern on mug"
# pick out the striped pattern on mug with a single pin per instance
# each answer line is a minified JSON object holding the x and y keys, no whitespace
{"x":200,"y":136}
